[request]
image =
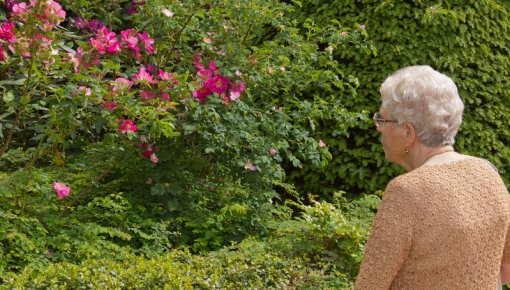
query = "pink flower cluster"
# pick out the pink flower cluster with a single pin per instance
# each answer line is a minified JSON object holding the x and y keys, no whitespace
{"x":149,"y":150}
{"x":61,"y":189}
{"x":118,"y":87}
{"x":127,"y":126}
{"x":46,"y":13}
{"x":82,"y":59}
{"x":152,"y":86}
{"x":7,"y":34}
{"x":107,"y":42}
{"x":130,"y":41}
{"x":154,"y":83}
{"x":213,"y":82}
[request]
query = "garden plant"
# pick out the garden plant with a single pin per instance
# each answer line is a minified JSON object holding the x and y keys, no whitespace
{"x":147,"y":144}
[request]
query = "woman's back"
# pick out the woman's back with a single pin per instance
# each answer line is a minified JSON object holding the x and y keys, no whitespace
{"x":454,"y":219}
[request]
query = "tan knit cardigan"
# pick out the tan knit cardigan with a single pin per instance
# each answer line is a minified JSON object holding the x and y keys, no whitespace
{"x":439,"y":227}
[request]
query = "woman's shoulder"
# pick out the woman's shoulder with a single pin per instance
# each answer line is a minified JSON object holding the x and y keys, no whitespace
{"x":462,"y":166}
{"x":401,"y":187}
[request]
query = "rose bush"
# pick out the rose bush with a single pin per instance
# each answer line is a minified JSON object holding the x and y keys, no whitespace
{"x":160,"y":124}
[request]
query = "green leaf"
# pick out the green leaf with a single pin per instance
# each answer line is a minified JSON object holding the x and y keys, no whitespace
{"x":25,"y":99}
{"x":17,"y":82}
{"x":8,"y":97}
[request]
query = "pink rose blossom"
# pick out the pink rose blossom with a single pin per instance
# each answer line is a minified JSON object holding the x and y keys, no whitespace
{"x":83,"y":59}
{"x":19,"y":8}
{"x":202,"y":72}
{"x":134,"y":50}
{"x":202,"y":93}
{"x":132,"y":10}
{"x":217,"y":84}
{"x":165,"y":76}
{"x":144,"y":76}
{"x":95,"y":25}
{"x":61,"y":189}
{"x":164,"y":96}
{"x":7,"y":32}
{"x":148,"y":149}
{"x":236,"y":90}
{"x":273,"y":151}
{"x":121,"y":84}
{"x":105,"y":41}
{"x":154,"y":158}
{"x":129,"y":37}
{"x":80,"y":22}
{"x":86,"y":90}
{"x":147,"y":42}
{"x":108,"y":104}
{"x":250,"y":166}
{"x":126,"y":126}
{"x":53,"y":14}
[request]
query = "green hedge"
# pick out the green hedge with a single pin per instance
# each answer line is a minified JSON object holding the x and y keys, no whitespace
{"x":319,"y":249}
{"x":180,"y":270}
{"x":467,"y":40}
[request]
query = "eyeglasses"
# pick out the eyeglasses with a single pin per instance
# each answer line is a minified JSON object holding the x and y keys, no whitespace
{"x":378,"y":120}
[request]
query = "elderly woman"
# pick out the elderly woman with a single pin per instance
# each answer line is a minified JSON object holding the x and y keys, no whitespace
{"x":443,"y":224}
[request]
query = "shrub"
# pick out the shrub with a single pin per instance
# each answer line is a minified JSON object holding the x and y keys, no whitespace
{"x":320,"y":249}
{"x":328,"y":234}
{"x":161,"y":125}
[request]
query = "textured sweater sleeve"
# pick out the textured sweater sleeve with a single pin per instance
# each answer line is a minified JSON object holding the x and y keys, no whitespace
{"x":390,"y":239}
{"x":506,"y":250}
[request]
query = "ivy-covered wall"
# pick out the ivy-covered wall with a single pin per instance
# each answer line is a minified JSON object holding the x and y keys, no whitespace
{"x":467,"y":40}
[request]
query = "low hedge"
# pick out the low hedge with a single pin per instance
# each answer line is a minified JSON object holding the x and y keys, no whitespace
{"x":319,"y":249}
{"x":254,"y":266}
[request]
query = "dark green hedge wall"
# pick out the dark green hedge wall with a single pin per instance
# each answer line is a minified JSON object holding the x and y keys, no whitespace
{"x":467,"y":40}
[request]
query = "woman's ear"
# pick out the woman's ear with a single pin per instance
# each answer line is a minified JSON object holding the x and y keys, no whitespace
{"x":409,"y":134}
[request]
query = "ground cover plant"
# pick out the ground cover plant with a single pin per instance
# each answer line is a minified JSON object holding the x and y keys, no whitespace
{"x":161,"y":133}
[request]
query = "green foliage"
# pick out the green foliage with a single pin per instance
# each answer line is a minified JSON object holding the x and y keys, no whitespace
{"x":255,"y":267}
{"x":97,"y":220}
{"x":328,"y":234}
{"x":197,"y":172}
{"x":320,"y":249}
{"x":466,"y":40}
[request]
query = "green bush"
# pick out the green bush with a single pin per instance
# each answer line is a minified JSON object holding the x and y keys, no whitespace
{"x":466,"y":40}
{"x":157,"y":171}
{"x":181,"y":270}
{"x":328,"y":234}
{"x":37,"y":227}
{"x":320,"y":249}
